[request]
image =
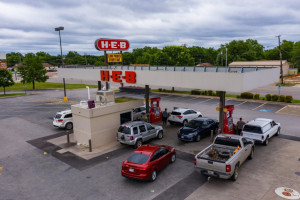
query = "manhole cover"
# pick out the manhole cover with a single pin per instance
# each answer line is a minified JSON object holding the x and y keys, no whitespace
{"x":287,"y":193}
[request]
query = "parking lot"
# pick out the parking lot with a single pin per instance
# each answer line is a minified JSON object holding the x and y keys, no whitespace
{"x":29,"y":173}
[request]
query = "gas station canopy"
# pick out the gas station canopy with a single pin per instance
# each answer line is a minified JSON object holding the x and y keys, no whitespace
{"x":213,"y":78}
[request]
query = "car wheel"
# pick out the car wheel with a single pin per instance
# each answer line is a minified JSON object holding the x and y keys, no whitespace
{"x":251,"y":154}
{"x":69,"y":126}
{"x":160,"y":135}
{"x":200,"y":116}
{"x":153,"y":175}
{"x":198,"y":138}
{"x":235,"y":173}
{"x":184,"y":122}
{"x":138,"y":144}
{"x":278,"y":132}
{"x":266,"y":141}
{"x":173,"y":158}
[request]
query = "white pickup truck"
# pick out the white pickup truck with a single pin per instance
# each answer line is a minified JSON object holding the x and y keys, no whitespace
{"x":223,"y":158}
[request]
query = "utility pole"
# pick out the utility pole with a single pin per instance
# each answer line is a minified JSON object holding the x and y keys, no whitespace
{"x":226,"y":57}
{"x":221,"y":57}
{"x":281,"y":72}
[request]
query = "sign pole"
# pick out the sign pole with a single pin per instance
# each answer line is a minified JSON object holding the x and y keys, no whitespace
{"x":105,"y":58}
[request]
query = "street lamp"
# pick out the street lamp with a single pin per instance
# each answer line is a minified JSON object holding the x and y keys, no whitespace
{"x":60,"y":29}
{"x":62,"y":60}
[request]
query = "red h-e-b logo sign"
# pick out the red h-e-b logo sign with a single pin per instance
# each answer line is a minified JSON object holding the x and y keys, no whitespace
{"x":111,"y":44}
{"x":116,"y":76}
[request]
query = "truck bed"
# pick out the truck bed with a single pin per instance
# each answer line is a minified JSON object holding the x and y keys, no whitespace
{"x":213,"y":153}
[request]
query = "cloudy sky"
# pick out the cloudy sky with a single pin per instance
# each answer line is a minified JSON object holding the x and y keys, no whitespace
{"x":28,"y":25}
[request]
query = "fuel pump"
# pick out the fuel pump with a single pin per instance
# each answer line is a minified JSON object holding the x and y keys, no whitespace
{"x":155,"y":111}
{"x":229,"y":126}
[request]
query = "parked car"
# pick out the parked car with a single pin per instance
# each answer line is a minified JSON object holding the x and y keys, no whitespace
{"x":198,"y":128}
{"x":137,"y":132}
{"x":138,"y":112}
{"x":261,"y":130}
{"x":146,"y":161}
{"x":224,"y":157}
{"x":183,"y":116}
{"x":63,"y":119}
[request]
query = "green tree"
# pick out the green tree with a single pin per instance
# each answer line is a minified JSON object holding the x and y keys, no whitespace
{"x":6,"y":79}
{"x":179,"y":56}
{"x":296,"y":55}
{"x":13,"y":58}
{"x":32,"y":70}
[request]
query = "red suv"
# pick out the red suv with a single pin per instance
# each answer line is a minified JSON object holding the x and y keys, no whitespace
{"x":145,"y":162}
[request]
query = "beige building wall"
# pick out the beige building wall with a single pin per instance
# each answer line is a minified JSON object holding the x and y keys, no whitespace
{"x":101,"y":123}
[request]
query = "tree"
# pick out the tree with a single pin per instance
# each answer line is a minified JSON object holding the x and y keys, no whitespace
{"x":6,"y":79}
{"x":32,"y":70}
{"x":13,"y":58}
{"x":296,"y":55}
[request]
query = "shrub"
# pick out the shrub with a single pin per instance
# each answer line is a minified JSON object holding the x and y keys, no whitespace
{"x":256,"y":96}
{"x":196,"y":92}
{"x":214,"y":94}
{"x":247,"y":95}
{"x":288,"y":99}
{"x":218,"y":93}
{"x":210,"y":93}
{"x":160,"y":89}
{"x":268,"y":97}
{"x":204,"y":92}
{"x":282,"y":98}
{"x":274,"y":97}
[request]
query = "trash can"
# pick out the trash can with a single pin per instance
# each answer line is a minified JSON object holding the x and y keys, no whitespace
{"x":91,"y":103}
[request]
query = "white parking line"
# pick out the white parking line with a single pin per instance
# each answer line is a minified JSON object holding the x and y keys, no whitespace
{"x":205,"y":100}
{"x":241,"y":103}
{"x":259,"y":106}
{"x":280,"y":109}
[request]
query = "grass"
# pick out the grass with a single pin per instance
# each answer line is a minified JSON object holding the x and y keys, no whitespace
{"x":46,"y":85}
{"x":124,"y":99}
{"x":295,"y":101}
{"x":286,"y":84}
{"x":11,"y":95}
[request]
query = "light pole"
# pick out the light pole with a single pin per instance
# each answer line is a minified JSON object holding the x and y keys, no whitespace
{"x":60,"y":29}
{"x":62,"y":60}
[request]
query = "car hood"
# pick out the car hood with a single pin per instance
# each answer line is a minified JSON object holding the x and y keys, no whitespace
{"x":157,"y":127}
{"x":186,"y":130}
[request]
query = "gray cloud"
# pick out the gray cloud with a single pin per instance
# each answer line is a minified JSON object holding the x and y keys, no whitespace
{"x":28,"y":26}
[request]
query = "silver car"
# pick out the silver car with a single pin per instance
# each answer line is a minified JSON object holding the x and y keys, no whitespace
{"x":135,"y":133}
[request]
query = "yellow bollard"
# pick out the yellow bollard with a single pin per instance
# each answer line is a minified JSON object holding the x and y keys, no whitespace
{"x":65,"y":98}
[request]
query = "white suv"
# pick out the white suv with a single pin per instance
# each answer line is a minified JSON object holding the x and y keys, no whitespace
{"x":261,"y":130}
{"x":183,"y":115}
{"x":63,"y":119}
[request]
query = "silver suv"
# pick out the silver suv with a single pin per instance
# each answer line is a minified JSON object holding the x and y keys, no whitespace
{"x":63,"y":119}
{"x":135,"y":133}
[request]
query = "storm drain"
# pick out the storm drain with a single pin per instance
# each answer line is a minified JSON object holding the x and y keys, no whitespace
{"x":287,"y":193}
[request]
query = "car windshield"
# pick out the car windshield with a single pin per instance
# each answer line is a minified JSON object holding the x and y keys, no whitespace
{"x":252,"y":129}
{"x":57,"y":116}
{"x":139,"y":158}
{"x":124,"y":129}
{"x":194,"y":124}
{"x":227,"y":141}
{"x":175,"y":113}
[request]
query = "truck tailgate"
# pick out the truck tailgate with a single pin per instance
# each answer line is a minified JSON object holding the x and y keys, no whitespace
{"x":211,"y":165}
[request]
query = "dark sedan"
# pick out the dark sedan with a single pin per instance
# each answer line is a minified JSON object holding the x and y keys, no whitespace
{"x":198,"y":128}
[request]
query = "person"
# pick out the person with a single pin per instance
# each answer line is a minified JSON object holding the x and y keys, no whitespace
{"x":240,"y":124}
{"x":165,"y":117}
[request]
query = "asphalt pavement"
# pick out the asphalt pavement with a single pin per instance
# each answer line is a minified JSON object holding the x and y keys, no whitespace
{"x":31,"y":168}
